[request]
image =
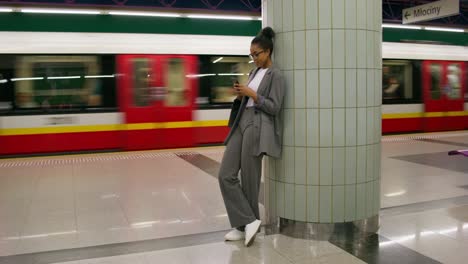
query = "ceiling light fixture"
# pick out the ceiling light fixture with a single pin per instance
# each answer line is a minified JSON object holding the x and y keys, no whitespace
{"x":3,"y":9}
{"x":221,"y":17}
{"x":60,"y":11}
{"x":152,"y":14}
{"x":400,"y":26}
{"x":444,"y":29}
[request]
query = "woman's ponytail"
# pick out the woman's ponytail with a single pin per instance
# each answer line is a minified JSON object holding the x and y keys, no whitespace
{"x":265,"y":39}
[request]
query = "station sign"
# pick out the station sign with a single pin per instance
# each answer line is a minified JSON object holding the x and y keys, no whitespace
{"x":434,"y":10}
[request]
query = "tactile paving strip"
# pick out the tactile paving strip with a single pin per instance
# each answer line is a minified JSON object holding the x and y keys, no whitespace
{"x":419,"y":137}
{"x":89,"y":159}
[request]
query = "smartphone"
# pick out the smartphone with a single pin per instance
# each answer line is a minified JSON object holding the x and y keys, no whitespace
{"x":234,"y":80}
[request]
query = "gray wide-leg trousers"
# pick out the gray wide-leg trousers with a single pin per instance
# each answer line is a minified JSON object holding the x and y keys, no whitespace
{"x":241,"y":197}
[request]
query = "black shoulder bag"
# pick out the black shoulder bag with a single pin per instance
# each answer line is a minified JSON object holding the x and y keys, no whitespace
{"x":234,"y":111}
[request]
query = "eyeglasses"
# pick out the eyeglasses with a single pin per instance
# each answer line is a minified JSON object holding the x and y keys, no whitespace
{"x":256,"y":54}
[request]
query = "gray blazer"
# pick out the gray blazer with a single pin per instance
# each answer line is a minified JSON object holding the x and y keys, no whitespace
{"x":267,"y":121}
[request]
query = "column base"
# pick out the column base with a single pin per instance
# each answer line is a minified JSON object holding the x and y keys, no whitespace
{"x":324,"y":231}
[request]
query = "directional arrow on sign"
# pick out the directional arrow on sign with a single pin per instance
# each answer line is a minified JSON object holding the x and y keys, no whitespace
{"x":430,"y":11}
{"x":407,"y":14}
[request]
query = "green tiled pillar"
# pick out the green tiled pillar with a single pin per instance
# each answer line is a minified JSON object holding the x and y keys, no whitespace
{"x":330,"y":54}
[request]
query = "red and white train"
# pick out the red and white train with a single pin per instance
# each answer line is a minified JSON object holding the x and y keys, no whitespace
{"x":69,"y":92}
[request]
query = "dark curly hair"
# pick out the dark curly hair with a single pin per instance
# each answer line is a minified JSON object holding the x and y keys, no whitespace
{"x":265,"y":39}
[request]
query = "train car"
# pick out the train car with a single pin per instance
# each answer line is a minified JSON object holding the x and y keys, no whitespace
{"x":85,"y":92}
{"x":424,"y":87}
{"x":70,"y":94}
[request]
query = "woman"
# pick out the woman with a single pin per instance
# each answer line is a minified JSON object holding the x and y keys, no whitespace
{"x":255,"y":131}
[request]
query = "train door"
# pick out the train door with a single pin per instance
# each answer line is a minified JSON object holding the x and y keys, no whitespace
{"x":138,"y":75}
{"x":443,"y":95}
{"x":157,"y":100}
{"x":178,"y":102}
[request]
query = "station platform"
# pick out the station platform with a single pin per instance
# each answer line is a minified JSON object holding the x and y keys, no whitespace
{"x":165,"y":207}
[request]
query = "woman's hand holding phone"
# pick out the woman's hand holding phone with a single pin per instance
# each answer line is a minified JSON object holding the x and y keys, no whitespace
{"x":242,"y":90}
{"x":236,"y":89}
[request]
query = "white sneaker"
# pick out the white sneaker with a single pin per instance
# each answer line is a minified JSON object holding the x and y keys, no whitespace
{"x":250,"y":232}
{"x":234,"y":235}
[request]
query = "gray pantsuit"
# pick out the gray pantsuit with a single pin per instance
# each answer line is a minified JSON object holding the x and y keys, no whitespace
{"x":254,"y":132}
{"x":241,"y":200}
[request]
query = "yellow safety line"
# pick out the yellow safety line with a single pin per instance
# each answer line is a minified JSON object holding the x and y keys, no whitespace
{"x":402,"y":115}
{"x":180,"y":124}
{"x":426,"y":114}
{"x":115,"y":127}
{"x":59,"y":129}
{"x":457,"y":113}
{"x":210,"y":123}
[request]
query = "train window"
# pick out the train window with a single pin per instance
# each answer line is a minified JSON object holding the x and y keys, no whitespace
{"x":142,"y":79}
{"x":3,"y":87}
{"x":436,"y":73}
{"x":217,"y":74}
{"x":57,"y":82}
{"x":454,"y":81}
{"x":5,"y":99}
{"x":397,"y":80}
{"x":176,"y":86}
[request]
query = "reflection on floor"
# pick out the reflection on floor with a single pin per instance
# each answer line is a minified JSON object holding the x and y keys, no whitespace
{"x":274,"y":249}
{"x":266,"y":249}
{"x":407,"y":181}
{"x":156,"y":206}
{"x":438,"y":160}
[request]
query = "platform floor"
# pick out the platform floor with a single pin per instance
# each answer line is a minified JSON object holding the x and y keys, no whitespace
{"x":166,"y":207}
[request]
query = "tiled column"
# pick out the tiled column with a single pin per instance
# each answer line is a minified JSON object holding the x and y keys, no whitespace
{"x":330,"y":54}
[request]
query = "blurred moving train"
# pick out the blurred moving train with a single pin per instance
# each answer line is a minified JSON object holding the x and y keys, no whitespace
{"x":83,"y":91}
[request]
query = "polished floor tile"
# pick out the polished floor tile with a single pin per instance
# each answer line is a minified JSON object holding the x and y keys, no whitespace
{"x":440,"y":234}
{"x":264,"y":250}
{"x":51,"y":204}
{"x":410,"y":180}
